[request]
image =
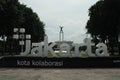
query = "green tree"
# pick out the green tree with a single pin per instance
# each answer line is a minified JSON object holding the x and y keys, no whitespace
{"x":13,"y":14}
{"x":9,"y":16}
{"x":104,"y":21}
{"x":32,"y":24}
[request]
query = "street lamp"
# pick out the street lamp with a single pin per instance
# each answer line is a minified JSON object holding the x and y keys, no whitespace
{"x":20,"y":34}
{"x":22,"y":37}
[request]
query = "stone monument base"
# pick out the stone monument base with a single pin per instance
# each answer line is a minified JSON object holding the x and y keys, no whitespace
{"x":43,"y":62}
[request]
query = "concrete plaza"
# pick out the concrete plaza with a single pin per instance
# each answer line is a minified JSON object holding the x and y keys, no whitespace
{"x":59,"y":74}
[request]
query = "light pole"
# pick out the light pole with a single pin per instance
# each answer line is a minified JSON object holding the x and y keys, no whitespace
{"x":19,"y":34}
{"x":119,"y":43}
{"x":119,"y":37}
{"x":22,"y":37}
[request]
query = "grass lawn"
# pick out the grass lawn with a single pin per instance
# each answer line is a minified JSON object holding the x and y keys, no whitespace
{"x":84,"y":55}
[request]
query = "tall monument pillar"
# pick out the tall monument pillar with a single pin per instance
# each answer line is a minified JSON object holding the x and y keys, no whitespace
{"x":61,"y":34}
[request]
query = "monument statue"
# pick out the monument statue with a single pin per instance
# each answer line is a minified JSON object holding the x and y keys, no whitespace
{"x":61,"y":36}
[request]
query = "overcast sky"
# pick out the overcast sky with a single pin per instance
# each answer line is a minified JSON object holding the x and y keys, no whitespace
{"x":72,"y":14}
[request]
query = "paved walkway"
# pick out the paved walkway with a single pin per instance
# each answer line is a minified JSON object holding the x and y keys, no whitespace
{"x":59,"y":74}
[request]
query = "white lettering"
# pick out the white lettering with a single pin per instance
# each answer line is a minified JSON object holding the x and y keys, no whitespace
{"x":64,"y":49}
{"x":101,"y":50}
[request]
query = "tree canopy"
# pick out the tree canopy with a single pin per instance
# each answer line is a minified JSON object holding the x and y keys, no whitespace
{"x":104,"y":21}
{"x":16,"y":15}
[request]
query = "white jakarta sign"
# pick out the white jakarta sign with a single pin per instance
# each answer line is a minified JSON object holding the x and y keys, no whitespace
{"x":37,"y":50}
